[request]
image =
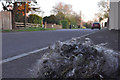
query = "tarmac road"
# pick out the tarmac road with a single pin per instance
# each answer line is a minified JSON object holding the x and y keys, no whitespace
{"x":16,"y":43}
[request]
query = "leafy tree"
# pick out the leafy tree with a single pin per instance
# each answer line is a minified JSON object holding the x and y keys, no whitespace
{"x":21,"y":8}
{"x":60,"y":16}
{"x":64,"y":14}
{"x":51,"y":19}
{"x":17,"y":7}
{"x":74,"y":18}
{"x":19,"y":17}
{"x":64,"y":23}
{"x":35,"y":19}
{"x":100,"y":19}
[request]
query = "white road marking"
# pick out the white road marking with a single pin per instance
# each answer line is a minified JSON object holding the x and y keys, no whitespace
{"x":22,"y":55}
{"x":32,"y":52}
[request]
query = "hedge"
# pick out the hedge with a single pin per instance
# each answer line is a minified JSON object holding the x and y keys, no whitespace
{"x":35,"y":19}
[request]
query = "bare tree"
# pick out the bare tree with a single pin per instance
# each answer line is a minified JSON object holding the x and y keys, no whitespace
{"x":61,"y":7}
{"x":104,"y":7}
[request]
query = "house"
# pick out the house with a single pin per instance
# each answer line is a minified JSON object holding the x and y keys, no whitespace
{"x":114,"y":16}
{"x":103,"y":22}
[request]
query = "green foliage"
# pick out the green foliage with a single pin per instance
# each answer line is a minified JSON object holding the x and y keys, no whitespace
{"x":106,"y":15}
{"x":60,"y":16}
{"x":51,"y":19}
{"x":100,"y":19}
{"x":87,"y":25}
{"x":35,"y":19}
{"x":73,"y":19}
{"x":64,"y":23}
{"x":54,"y":19}
{"x":63,"y":19}
{"x":19,"y":17}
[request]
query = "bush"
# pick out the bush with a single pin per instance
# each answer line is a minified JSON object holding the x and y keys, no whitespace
{"x":87,"y":25}
{"x":35,"y":19}
{"x":19,"y":17}
{"x":64,"y":23}
{"x":51,"y":19}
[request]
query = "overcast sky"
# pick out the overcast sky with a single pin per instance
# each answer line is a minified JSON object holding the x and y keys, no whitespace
{"x":88,"y":7}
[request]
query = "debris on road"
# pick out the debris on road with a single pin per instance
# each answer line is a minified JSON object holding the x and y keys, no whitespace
{"x":73,"y":59}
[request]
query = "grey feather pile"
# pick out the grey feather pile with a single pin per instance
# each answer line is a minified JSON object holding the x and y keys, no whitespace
{"x":73,"y":59}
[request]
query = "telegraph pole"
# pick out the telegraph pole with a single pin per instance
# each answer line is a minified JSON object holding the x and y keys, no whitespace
{"x":13,"y":14}
{"x":108,"y":4}
{"x":25,"y":11}
{"x":80,"y":18}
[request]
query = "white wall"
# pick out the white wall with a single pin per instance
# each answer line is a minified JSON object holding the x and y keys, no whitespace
{"x":0,"y":21}
{"x":113,"y":23}
{"x":103,"y":22}
{"x":119,"y":15}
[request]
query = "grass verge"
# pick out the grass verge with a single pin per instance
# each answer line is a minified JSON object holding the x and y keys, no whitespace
{"x":29,"y":29}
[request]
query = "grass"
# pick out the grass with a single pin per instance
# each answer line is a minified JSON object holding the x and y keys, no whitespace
{"x":29,"y":29}
{"x":75,"y":28}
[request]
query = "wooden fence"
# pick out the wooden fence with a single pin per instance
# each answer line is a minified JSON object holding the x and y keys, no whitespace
{"x":5,"y":20}
{"x":20,"y":24}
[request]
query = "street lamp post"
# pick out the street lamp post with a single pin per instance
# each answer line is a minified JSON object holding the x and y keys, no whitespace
{"x":80,"y":19}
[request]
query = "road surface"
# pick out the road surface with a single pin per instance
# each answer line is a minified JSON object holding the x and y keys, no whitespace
{"x":17,"y":43}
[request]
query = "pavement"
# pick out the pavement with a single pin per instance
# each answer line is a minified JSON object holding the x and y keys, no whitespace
{"x":21,"y":67}
{"x":111,"y":38}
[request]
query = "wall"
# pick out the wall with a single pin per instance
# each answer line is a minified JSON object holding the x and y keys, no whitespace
{"x":113,"y":23}
{"x":5,"y":20}
{"x":58,"y":26}
{"x":119,"y":15}
{"x":54,"y":26}
{"x":103,"y":22}
{"x":0,"y":21}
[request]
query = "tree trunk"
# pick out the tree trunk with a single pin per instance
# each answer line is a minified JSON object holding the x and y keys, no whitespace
{"x":13,"y":15}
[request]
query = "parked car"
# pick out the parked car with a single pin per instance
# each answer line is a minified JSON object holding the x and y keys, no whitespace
{"x":96,"y":25}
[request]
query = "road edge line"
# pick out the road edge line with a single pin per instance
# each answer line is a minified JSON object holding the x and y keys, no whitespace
{"x":22,"y":55}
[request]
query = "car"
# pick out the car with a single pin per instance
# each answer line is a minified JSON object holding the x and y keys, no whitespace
{"x":96,"y":25}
